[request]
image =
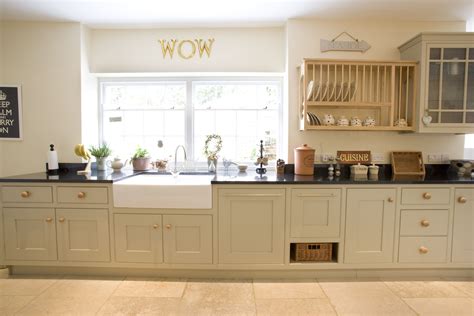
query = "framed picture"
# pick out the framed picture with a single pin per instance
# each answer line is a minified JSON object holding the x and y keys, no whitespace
{"x":10,"y":113}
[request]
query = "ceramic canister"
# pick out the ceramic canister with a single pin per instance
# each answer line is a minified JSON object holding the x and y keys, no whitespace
{"x":304,"y":160}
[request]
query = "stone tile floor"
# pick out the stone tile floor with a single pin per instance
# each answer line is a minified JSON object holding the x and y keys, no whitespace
{"x":80,"y":295}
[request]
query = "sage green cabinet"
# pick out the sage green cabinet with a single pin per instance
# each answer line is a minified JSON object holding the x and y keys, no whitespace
{"x":251,"y":225}
{"x":463,"y":228}
{"x":30,"y":234}
{"x":151,"y":238}
{"x":83,"y":234}
{"x":138,"y":238}
{"x":315,"y":212}
{"x":370,"y":225}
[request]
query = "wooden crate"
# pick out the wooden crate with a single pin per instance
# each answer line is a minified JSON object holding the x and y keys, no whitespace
{"x":407,"y":165}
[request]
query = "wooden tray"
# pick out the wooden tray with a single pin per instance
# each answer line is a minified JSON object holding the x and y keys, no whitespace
{"x":407,"y":165}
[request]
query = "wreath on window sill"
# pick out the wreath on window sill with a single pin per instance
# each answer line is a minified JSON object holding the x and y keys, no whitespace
{"x":212,"y":146}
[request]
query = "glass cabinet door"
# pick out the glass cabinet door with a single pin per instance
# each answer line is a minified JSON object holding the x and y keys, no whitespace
{"x":451,"y":85}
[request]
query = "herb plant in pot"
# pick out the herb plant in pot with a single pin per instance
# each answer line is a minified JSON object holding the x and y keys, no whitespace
{"x":141,"y":159}
{"x":101,"y":153}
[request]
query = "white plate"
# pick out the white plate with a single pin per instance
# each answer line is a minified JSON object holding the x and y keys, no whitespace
{"x":309,"y":90}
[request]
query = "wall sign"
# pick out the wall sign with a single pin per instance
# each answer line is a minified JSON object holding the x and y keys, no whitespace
{"x":351,"y":46}
{"x":10,"y":113}
{"x":186,"y":49}
{"x":353,"y":157}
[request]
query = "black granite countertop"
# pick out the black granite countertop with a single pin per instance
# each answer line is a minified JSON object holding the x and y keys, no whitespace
{"x":435,"y":174}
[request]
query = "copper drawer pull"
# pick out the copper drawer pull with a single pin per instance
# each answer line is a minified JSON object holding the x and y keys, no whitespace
{"x":81,"y":195}
{"x":423,"y":250}
{"x":62,"y":219}
{"x":390,"y":199}
{"x":156,"y":226}
{"x":25,"y":194}
{"x":168,"y":226}
{"x":462,"y":199}
{"x":425,"y":223}
{"x":49,"y":220}
{"x":427,"y":195}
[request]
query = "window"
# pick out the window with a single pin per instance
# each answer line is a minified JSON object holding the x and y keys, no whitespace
{"x":469,"y":146}
{"x":182,"y":111}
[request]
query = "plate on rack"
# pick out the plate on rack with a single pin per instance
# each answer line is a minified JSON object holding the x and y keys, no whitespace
{"x":309,"y":90}
{"x":313,"y":119}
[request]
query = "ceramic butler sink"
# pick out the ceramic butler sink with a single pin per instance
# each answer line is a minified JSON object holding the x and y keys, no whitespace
{"x":164,"y":191}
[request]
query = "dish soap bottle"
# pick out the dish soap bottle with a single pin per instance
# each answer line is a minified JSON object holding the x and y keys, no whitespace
{"x":53,"y":165}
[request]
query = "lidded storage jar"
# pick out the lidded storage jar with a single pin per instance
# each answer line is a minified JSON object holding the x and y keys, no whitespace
{"x":304,"y":160}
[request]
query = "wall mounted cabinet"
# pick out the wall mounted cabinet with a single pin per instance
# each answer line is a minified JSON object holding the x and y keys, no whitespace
{"x":384,"y":91}
{"x":446,"y":91}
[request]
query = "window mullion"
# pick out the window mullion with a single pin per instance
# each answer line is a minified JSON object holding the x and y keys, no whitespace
{"x":189,"y":121}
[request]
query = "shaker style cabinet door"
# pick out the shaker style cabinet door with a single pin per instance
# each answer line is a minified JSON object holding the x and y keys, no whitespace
{"x":30,"y":234}
{"x":370,"y":225}
{"x":83,"y":234}
{"x":315,"y":212}
{"x":138,"y":238}
{"x":251,"y":225}
{"x":463,"y":230}
{"x":187,"y":238}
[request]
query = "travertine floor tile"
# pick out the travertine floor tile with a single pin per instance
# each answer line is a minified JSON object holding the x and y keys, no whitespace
{"x":63,"y":306}
{"x":82,"y":286}
{"x":218,"y":298}
{"x":424,"y":289}
{"x":146,"y":287}
{"x":464,"y":284}
{"x":25,"y":285}
{"x":292,"y":306}
{"x":287,"y":289}
{"x":11,"y":304}
{"x":442,"y":306}
{"x":364,"y":298}
{"x":119,"y":305}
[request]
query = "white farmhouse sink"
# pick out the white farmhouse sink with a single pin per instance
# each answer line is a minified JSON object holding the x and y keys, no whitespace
{"x":164,"y":191}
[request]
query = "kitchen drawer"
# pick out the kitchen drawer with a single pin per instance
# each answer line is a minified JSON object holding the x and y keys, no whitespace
{"x":425,"y":196}
{"x":422,"y":249}
{"x":27,"y":194}
{"x":84,"y":195}
{"x":424,"y":222}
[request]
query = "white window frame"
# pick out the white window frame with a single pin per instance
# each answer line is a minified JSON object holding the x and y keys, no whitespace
{"x":190,"y":80}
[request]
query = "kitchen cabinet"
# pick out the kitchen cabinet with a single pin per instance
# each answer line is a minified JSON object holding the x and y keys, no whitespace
{"x":446,"y":89}
{"x":463,"y":228}
{"x":370,"y":225}
{"x":138,"y":238}
{"x":83,"y":234}
{"x":251,"y":226}
{"x":30,"y":234}
{"x":315,"y":212}
{"x":187,"y":238}
{"x":152,"y":238}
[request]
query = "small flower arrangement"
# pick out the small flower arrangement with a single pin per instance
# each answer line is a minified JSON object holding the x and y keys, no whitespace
{"x":212,"y":146}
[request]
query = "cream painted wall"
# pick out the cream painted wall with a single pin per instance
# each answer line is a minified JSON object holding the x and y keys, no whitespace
{"x":384,"y":36}
{"x":89,"y":97}
{"x":234,"y":50}
{"x":44,"y":58}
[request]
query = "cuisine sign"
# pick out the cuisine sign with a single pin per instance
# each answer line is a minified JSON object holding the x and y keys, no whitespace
{"x":353,"y":157}
{"x":10,"y":112}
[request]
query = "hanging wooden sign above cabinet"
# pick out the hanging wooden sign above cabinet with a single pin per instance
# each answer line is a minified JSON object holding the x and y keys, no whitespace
{"x":351,"y":46}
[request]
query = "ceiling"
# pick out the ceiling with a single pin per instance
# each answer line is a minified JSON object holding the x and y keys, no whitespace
{"x":185,"y":13}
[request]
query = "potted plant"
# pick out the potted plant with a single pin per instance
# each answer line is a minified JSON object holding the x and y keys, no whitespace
{"x":101,"y":153}
{"x":140,"y":159}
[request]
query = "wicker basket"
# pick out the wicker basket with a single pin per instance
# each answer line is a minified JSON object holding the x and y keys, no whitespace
{"x":313,"y":252}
